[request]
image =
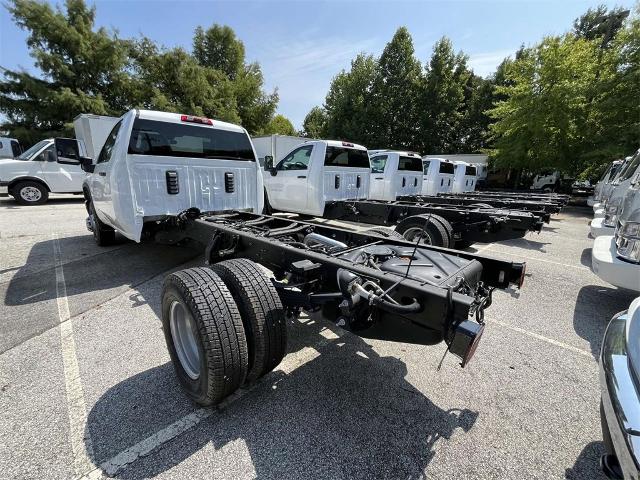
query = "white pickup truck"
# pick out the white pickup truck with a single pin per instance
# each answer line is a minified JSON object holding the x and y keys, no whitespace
{"x":9,"y":147}
{"x":315,"y":173}
{"x":464,"y":178}
{"x":34,"y":174}
{"x":394,"y":174}
{"x":184,"y":177}
{"x":438,"y":175}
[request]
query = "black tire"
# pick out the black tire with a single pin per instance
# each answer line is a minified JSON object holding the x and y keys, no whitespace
{"x":385,"y":232}
{"x":30,"y":193}
{"x":434,"y":233}
{"x":217,"y":329}
{"x":262,"y":313}
{"x":102,"y":234}
{"x":447,"y":226}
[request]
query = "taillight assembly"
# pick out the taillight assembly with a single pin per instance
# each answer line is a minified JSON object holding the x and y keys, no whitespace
{"x":347,"y":144}
{"x":194,"y":119}
{"x":465,"y":340}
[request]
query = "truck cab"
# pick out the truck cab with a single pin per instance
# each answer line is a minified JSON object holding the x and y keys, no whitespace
{"x":616,"y":257}
{"x":394,"y":173}
{"x":604,"y":225}
{"x":437,"y":176}
{"x":464,"y":179}
{"x":316,"y":173}
{"x":606,"y":177}
{"x":598,"y":208}
{"x":155,"y":165}
{"x":9,"y":147}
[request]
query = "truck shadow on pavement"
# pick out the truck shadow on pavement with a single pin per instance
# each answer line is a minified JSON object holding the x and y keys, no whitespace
{"x":346,"y":413}
{"x":595,"y":305}
{"x":587,"y":464}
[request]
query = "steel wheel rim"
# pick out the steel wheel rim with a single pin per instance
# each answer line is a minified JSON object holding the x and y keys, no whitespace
{"x":30,"y":194}
{"x":411,"y":233}
{"x":184,"y":339}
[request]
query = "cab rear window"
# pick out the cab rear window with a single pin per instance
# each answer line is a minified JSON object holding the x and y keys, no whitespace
{"x":346,"y":157}
{"x":166,"y":139}
{"x":470,"y":170}
{"x":446,"y":167}
{"x":413,"y":164}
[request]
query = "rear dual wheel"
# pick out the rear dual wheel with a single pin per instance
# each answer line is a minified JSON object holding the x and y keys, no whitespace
{"x":430,"y":229}
{"x":223,"y":326}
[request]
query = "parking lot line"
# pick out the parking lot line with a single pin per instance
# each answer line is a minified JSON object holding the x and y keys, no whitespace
{"x":126,"y":457}
{"x":519,"y":255}
{"x":80,"y":438}
{"x":543,"y":338}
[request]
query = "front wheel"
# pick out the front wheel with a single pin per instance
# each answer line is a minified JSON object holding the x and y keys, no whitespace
{"x":30,"y":193}
{"x":102,"y":234}
{"x":204,"y":334}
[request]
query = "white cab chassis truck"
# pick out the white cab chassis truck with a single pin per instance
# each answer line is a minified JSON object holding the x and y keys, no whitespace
{"x":9,"y":147}
{"x":275,"y":146}
{"x":394,"y":173}
{"x":34,"y":174}
{"x":179,"y":177}
{"x":616,"y":258}
{"x":315,"y":173}
{"x":605,"y":225}
{"x":438,"y":175}
{"x":607,"y":177}
{"x":464,"y":178}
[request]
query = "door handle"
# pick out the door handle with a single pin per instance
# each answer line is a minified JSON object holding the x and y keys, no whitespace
{"x":302,"y":176}
{"x":102,"y":174}
{"x":379,"y":178}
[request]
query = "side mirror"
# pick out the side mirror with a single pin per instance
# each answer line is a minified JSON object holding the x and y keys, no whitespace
{"x":268,"y":165}
{"x":68,"y":153}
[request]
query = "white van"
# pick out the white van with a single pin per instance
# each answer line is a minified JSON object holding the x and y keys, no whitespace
{"x":35,"y":173}
{"x":394,"y":173}
{"x":464,"y":179}
{"x":9,"y":147}
{"x":315,"y":173}
{"x":437,"y":175}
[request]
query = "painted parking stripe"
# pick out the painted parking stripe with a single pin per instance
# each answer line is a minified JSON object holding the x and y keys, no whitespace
{"x":128,"y":456}
{"x":79,"y":436}
{"x":551,"y":341}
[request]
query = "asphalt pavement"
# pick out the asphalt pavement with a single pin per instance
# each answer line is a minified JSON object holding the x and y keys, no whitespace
{"x":87,"y":388}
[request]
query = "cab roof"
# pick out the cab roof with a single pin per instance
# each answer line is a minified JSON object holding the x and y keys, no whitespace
{"x":178,"y":118}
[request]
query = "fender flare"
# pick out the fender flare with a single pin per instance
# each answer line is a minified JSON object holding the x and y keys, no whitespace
{"x":12,"y":183}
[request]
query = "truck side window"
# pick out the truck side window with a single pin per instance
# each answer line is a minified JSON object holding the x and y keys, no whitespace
{"x":425,"y":166}
{"x":43,"y":156}
{"x":378,"y":163}
{"x":296,"y":160}
{"x":107,"y":148}
{"x":15,"y":148}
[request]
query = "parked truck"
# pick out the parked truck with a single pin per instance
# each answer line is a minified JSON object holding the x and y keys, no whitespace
{"x":275,"y":146}
{"x":172,"y":177}
{"x":330,"y":179}
{"x":34,"y":174}
{"x":394,"y":173}
{"x":606,"y":178}
{"x":464,"y":178}
{"x":438,"y":175}
{"x":9,"y":147}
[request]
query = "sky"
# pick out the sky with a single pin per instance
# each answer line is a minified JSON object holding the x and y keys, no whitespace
{"x":301,"y":45}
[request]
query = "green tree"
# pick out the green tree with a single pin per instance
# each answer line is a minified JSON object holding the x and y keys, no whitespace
{"x":600,"y":23}
{"x":443,"y":99}
{"x":349,"y":104}
{"x":280,"y":125}
{"x":315,"y":123}
{"x":83,"y":70}
{"x":218,"y":48}
{"x":395,"y":94}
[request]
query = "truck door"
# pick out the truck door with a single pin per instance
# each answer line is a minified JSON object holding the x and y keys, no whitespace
{"x":101,"y":177}
{"x":408,"y":181}
{"x":61,"y":178}
{"x":347,"y":172}
{"x":287,"y":189}
{"x":378,"y":164}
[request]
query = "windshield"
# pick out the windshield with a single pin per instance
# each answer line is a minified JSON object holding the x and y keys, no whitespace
{"x":168,"y":139}
{"x":614,"y":170}
{"x":412,"y":164}
{"x":346,"y":157}
{"x":446,"y":167}
{"x":631,"y":168}
{"x":27,"y":154}
{"x":378,"y":163}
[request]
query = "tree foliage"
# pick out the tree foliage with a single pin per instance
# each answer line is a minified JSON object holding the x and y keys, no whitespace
{"x":87,"y":70}
{"x":280,"y":125}
{"x":315,"y":123}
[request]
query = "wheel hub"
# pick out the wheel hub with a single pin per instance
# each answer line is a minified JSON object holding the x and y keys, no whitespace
{"x":184,"y":339}
{"x":30,"y":194}
{"x":412,"y":233}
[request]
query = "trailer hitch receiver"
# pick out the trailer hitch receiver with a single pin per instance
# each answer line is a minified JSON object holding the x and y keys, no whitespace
{"x":466,"y":338}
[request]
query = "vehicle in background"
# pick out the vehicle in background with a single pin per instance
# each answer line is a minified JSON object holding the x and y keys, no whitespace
{"x":315,"y":173}
{"x":551,"y":181}
{"x":582,"y":188}
{"x":464,"y":178}
{"x":606,"y":177}
{"x":275,"y":146}
{"x":616,"y":257}
{"x":482,"y":173}
{"x":9,"y":147}
{"x":172,"y":177}
{"x":620,"y":400}
{"x":437,"y":175}
{"x":605,"y":225}
{"x":394,"y":173}
{"x":607,"y":188}
{"x":34,"y":174}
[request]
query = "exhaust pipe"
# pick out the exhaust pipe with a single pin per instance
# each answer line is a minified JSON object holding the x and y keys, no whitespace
{"x":314,"y":239}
